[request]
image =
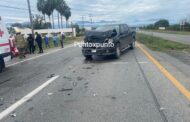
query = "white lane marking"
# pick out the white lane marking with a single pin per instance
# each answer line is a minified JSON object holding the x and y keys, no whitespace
{"x":118,"y":63}
{"x":26,"y":98}
{"x":143,"y":62}
{"x":38,"y":56}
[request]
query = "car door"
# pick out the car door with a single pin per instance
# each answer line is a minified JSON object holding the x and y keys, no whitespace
{"x":122,"y":37}
{"x":129,"y":35}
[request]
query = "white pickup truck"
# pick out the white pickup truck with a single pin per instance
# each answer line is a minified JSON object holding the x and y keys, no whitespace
{"x":5,"y":52}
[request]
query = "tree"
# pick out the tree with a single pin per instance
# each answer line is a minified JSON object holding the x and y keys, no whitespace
{"x":17,"y":25}
{"x":41,"y":4}
{"x":60,"y":9}
{"x":76,"y":26}
{"x":11,"y":30}
{"x":49,"y":8}
{"x":67,"y":14}
{"x":162,"y":23}
{"x":38,"y":23}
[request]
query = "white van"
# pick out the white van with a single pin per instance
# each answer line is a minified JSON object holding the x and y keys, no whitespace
{"x":5,"y":52}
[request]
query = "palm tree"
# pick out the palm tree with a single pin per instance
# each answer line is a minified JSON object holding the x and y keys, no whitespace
{"x":61,"y":9}
{"x":41,"y":7}
{"x":49,"y":8}
{"x":67,"y":14}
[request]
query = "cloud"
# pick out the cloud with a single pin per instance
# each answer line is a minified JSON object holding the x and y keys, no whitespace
{"x":132,"y":12}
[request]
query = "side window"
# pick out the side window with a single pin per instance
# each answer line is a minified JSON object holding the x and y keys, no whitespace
{"x":126,"y":28}
{"x":122,"y":29}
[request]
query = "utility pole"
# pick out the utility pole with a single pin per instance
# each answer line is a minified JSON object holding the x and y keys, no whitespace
{"x":83,"y":21}
{"x":90,"y":19}
{"x":30,"y":15}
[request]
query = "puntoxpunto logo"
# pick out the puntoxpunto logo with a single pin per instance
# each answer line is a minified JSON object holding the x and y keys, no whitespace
{"x":90,"y":45}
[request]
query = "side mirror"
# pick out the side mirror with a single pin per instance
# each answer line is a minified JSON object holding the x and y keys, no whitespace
{"x":114,"y":33}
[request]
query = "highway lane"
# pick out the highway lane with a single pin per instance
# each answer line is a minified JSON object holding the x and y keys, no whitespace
{"x":172,"y":37}
{"x":105,"y":89}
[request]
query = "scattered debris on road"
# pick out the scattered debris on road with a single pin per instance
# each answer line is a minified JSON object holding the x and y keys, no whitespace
{"x":79,"y":78}
{"x":49,"y":94}
{"x":87,"y":68}
{"x":113,"y":98}
{"x":75,"y":84}
{"x":50,"y":76}
{"x":13,"y":114}
{"x":162,"y":109}
{"x":29,"y":100}
{"x":68,"y":78}
{"x":63,"y":90}
{"x":31,"y":109}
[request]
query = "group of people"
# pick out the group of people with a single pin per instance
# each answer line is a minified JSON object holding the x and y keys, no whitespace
{"x":21,"y":44}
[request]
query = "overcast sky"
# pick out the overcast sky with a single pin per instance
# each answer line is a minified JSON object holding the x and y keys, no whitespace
{"x":133,"y":12}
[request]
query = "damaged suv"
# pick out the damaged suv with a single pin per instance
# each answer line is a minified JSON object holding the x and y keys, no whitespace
{"x":108,"y":40}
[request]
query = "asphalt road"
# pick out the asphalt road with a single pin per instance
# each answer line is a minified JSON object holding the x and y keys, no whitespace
{"x":130,"y":89}
{"x":172,"y":37}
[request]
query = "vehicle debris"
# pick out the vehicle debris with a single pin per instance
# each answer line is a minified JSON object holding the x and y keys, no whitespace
{"x":87,"y":67}
{"x":13,"y":114}
{"x":79,"y":78}
{"x":51,"y":75}
{"x":68,"y":78}
{"x":75,"y":84}
{"x":162,"y":109}
{"x":49,"y":94}
{"x":63,"y":90}
{"x":31,"y":108}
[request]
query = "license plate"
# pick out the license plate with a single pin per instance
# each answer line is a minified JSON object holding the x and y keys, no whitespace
{"x":93,"y":51}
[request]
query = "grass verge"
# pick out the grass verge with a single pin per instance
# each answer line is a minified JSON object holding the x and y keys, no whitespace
{"x":170,"y":32}
{"x":159,"y":44}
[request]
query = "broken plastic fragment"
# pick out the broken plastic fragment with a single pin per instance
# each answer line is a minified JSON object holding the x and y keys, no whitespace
{"x":13,"y":115}
{"x":49,"y":94}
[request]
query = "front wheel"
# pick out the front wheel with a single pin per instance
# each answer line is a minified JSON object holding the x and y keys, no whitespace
{"x":132,"y":45}
{"x":118,"y":51}
{"x":1,"y":65}
{"x":88,"y":57}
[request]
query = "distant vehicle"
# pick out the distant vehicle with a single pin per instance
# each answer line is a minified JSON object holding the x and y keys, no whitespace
{"x":120,"y":36}
{"x":5,"y":52}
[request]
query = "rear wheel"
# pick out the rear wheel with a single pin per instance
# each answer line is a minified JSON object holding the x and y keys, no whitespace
{"x":118,"y":51}
{"x":1,"y":64}
{"x":132,"y":45}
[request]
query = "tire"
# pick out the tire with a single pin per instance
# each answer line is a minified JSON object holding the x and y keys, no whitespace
{"x":118,"y":51}
{"x":132,"y":45}
{"x":88,"y":57}
{"x":1,"y":64}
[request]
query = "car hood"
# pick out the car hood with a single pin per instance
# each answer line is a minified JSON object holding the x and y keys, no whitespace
{"x":97,"y":36}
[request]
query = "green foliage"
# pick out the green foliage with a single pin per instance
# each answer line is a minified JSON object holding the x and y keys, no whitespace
{"x":160,"y":44}
{"x":38,"y":23}
{"x":76,"y":26}
{"x":11,"y":30}
{"x":162,"y":23}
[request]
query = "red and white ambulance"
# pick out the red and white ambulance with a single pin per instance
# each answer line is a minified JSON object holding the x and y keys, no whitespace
{"x":5,"y":52}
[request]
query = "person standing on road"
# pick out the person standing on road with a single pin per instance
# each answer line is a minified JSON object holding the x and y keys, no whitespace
{"x":62,"y":38}
{"x":55,"y":40}
{"x":21,"y":44}
{"x":46,"y":39}
{"x":30,"y":40}
{"x":39,"y":42}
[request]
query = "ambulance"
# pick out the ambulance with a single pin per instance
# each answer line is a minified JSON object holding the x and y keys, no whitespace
{"x":5,"y":51}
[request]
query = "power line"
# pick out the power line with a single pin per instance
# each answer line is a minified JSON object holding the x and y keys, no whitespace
{"x":12,"y":7}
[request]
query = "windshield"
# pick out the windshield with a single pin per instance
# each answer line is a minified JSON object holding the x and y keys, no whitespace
{"x":106,"y":28}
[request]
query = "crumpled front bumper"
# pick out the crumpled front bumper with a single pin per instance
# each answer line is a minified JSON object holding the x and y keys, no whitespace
{"x":99,"y":51}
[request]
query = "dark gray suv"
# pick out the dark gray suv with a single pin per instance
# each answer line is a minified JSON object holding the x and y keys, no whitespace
{"x":108,"y":40}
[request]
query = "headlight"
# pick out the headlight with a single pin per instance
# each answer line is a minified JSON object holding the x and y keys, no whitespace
{"x":110,"y":40}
